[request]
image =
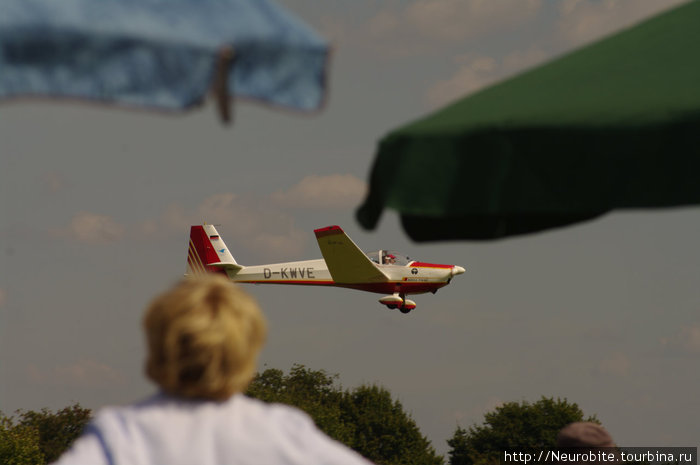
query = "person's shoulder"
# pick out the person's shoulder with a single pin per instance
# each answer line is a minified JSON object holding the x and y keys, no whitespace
{"x":109,"y":410}
{"x":294,"y":430}
{"x":274,"y":411}
{"x":164,"y":407}
{"x":276,"y":419}
{"x":116,"y":416}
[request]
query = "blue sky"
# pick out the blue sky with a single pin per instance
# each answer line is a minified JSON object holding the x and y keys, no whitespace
{"x":96,"y":205}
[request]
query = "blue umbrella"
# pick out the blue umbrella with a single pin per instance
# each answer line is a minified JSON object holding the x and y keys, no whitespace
{"x":160,"y":54}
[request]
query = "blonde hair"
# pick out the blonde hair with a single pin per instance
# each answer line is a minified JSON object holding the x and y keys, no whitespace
{"x":203,"y":337}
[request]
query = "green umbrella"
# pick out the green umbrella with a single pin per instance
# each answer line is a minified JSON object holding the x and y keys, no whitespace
{"x":613,"y":125}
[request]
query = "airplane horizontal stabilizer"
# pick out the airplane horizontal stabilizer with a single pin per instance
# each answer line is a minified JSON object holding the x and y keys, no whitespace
{"x":231,"y":267}
{"x":346,"y":263}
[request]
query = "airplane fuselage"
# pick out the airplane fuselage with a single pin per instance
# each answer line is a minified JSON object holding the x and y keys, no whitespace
{"x":416,"y":278}
{"x":343,"y":265}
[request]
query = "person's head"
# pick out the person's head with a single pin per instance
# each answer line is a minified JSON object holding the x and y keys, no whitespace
{"x":584,"y":434}
{"x":203,"y":338}
{"x":591,"y":439}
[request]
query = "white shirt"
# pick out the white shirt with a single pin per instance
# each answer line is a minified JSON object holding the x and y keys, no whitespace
{"x":239,"y":431}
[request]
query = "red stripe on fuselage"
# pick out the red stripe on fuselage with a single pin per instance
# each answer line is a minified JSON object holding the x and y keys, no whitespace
{"x":289,"y":281}
{"x":400,"y":287}
{"x":429,"y":265}
{"x":379,"y":288}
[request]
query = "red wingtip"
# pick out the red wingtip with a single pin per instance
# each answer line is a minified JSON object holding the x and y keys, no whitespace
{"x":327,"y":231}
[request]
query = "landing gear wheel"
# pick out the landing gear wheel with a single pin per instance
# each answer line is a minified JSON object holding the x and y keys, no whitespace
{"x":405,"y":310}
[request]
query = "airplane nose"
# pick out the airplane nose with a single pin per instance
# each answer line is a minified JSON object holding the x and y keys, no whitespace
{"x":457,"y":270}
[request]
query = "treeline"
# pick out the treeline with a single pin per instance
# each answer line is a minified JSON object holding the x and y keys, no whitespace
{"x":366,"y":418}
{"x":37,"y":438}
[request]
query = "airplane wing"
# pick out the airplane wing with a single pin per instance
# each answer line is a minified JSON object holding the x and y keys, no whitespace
{"x":346,"y":263}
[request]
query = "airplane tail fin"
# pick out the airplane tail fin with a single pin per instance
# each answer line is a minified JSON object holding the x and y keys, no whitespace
{"x":208,"y":253}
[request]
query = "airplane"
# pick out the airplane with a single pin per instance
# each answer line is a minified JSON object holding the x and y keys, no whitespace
{"x":343,"y":265}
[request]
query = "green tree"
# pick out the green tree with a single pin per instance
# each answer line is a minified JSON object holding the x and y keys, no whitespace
{"x":56,"y":431}
{"x":313,"y":391}
{"x":19,"y":444}
{"x":385,"y":433}
{"x":365,"y":418}
{"x":517,"y":427}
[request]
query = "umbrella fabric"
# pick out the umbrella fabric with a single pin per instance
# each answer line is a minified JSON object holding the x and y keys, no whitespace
{"x":161,"y":54}
{"x":613,"y":125}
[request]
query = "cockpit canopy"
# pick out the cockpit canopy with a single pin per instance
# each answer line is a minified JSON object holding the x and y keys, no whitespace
{"x":389,"y":257}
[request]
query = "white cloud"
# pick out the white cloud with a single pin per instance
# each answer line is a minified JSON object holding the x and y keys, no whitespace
{"x":687,"y":339}
{"x":404,"y":29}
{"x":260,"y":224}
{"x":617,"y":364}
{"x":583,"y":21}
{"x":54,"y":182}
{"x":523,"y":59}
{"x":83,"y":373}
{"x":92,"y":229}
{"x":332,"y":191}
{"x":470,"y":77}
{"x":477,"y":72}
{"x":243,"y":222}
{"x":451,"y":20}
{"x":278,"y":246}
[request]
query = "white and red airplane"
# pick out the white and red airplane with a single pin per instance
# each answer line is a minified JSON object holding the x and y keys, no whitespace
{"x":343,"y":265}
